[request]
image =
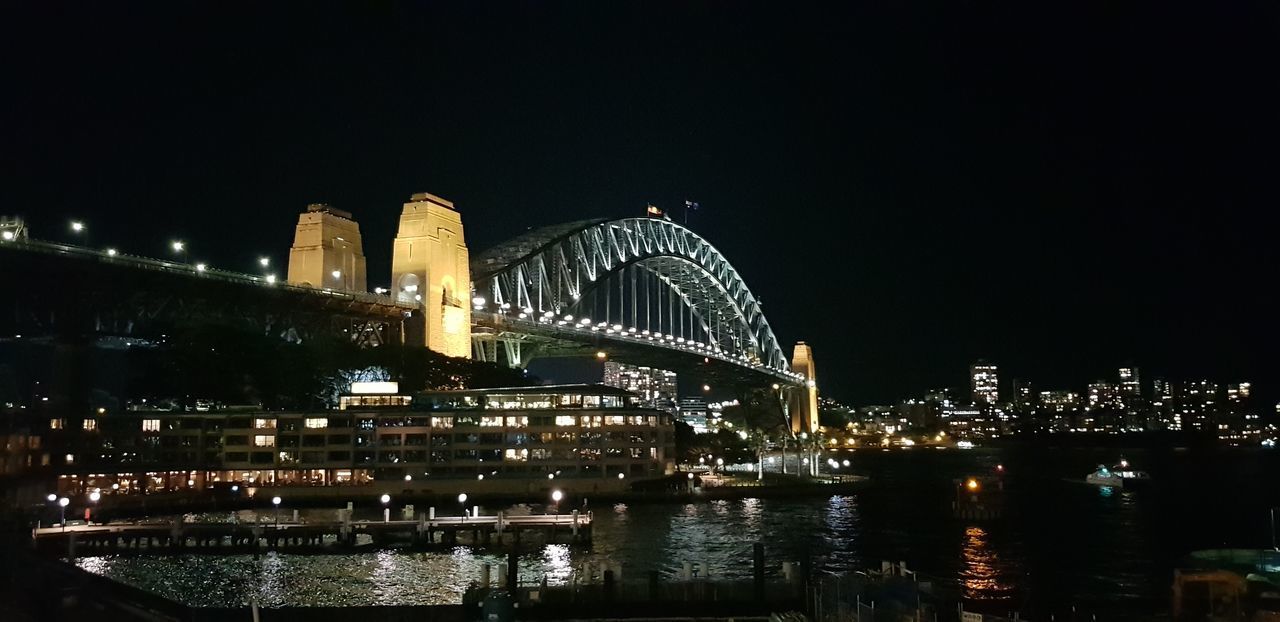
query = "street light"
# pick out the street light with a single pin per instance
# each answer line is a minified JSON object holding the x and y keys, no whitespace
{"x":52,"y":497}
{"x":556,"y":496}
{"x":93,"y":498}
{"x":276,"y":502}
{"x":77,"y":226}
{"x":179,"y":247}
{"x":462,"y":501}
{"x":386,"y":511}
{"x":264,"y":261}
{"x":63,"y":503}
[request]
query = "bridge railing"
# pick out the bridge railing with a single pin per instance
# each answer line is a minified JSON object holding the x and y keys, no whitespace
{"x":554,"y":327}
{"x":190,"y":270}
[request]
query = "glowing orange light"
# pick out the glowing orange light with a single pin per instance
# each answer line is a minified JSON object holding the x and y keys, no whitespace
{"x":972,"y":484}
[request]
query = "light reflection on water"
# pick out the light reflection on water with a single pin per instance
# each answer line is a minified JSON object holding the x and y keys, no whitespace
{"x":981,"y":574}
{"x":1058,"y":542}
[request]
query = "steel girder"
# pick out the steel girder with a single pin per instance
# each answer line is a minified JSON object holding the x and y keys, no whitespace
{"x":552,"y":270}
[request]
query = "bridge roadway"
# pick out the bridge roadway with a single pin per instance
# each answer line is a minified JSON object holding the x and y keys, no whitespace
{"x":64,"y":289}
{"x":497,"y":529}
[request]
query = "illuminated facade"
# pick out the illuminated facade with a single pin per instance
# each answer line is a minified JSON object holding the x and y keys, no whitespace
{"x":588,"y":434}
{"x":804,"y":402}
{"x":984,"y":383}
{"x":327,"y":252}
{"x":429,"y":268}
{"x":656,"y":387}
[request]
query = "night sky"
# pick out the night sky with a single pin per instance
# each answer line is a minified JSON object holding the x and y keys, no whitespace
{"x":1059,"y":190}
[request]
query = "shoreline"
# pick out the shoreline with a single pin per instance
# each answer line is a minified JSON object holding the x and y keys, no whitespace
{"x":369,"y":498}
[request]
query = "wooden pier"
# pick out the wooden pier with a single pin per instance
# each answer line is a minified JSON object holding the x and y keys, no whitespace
{"x":178,"y":536}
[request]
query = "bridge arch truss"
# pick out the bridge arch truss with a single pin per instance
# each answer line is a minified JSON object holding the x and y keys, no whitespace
{"x":642,"y":279}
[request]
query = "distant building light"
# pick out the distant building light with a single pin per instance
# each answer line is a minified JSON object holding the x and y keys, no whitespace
{"x":375,"y":388}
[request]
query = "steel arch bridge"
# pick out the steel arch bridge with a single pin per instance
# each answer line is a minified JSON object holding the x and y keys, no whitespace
{"x":639,"y":284}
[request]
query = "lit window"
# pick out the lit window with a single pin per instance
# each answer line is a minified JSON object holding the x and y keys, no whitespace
{"x":71,"y":458}
{"x":516,"y":455}
{"x":442,"y":422}
{"x":316,"y":422}
{"x":56,"y":424}
{"x":264,"y":424}
{"x":615,"y":420}
{"x":564,"y":420}
{"x":150,"y":425}
{"x":90,"y":425}
{"x":264,"y":440}
{"x":518,"y":422}
{"x":491,"y":422}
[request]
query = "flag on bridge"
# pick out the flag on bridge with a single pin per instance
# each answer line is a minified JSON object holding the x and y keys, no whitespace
{"x":654,"y":212}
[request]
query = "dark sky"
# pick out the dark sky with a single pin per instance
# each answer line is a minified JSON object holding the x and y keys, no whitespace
{"x":1057,"y":189}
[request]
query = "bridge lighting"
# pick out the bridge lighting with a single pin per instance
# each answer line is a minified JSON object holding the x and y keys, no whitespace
{"x":505,"y":305}
{"x":523,"y":315}
{"x":568,"y":318}
{"x":379,"y":290}
{"x":548,"y":313}
{"x":7,"y":235}
{"x":584,"y":321}
{"x":480,"y":476}
{"x":111,"y":252}
{"x":200,"y":267}
{"x":77,"y":226}
{"x":812,"y":384}
{"x":271,"y":278}
{"x":337,"y":274}
{"x":408,"y":478}
{"x":410,"y":288}
{"x":478,"y":301}
{"x":622,"y":475}
{"x":602,"y":355}
{"x":264,"y":261}
{"x":706,"y":387}
{"x":417,"y":297}
{"x":178,"y":246}
{"x":551,"y":475}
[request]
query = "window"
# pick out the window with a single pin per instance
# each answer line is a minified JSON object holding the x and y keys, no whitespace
{"x":150,"y":425}
{"x":90,"y":425}
{"x":442,"y":422}
{"x":564,"y":420}
{"x":516,"y":455}
{"x":591,"y":401}
{"x":518,"y":422}
{"x":491,"y":422}
{"x":71,"y":458}
{"x":615,"y":420}
{"x":56,"y":424}
{"x":264,"y":440}
{"x":264,"y":424}
{"x":316,"y":422}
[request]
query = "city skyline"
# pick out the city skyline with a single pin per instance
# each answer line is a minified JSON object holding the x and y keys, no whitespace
{"x":1014,"y":207}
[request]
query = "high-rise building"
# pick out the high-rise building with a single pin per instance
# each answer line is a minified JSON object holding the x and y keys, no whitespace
{"x":327,"y":252}
{"x":656,"y":387}
{"x":1024,"y":396}
{"x":693,"y":412}
{"x":983,"y":383}
{"x":1130,"y":382}
{"x":1239,"y":392}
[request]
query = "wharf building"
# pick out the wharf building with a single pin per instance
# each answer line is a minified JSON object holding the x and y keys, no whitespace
{"x":509,"y":440}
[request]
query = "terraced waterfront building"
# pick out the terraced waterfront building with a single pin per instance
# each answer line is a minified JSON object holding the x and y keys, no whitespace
{"x":512,"y":440}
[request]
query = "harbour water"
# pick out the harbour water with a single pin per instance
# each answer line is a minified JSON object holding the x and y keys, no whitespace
{"x":1059,"y":544}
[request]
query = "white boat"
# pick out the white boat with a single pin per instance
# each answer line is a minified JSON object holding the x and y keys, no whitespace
{"x":1119,"y":476}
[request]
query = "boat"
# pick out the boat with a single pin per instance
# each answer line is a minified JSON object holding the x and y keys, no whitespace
{"x":1119,"y":476}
